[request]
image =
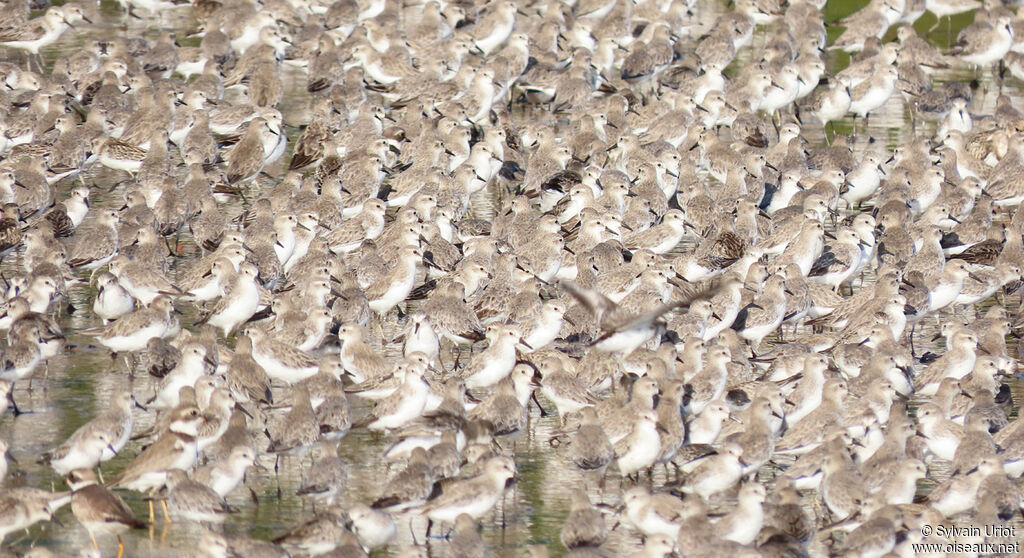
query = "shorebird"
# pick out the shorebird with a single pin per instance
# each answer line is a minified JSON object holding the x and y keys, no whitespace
{"x":956,"y":362}
{"x":656,"y":546}
{"x":81,"y":451}
{"x":93,"y":247}
{"x":451,"y":315}
{"x":474,"y":497}
{"x":641,"y":448}
{"x":960,"y":493}
{"x":193,"y":501}
{"x":358,"y":358}
{"x":563,"y":388}
{"x":373,"y":528}
{"x":465,"y":537}
{"x":623,"y":331}
{"x":744,"y":523}
{"x":496,"y":361}
{"x":494,"y":29}
{"x":20,"y":508}
{"x":943,"y":8}
{"x":112,"y":299}
{"x":98,"y":509}
{"x":812,"y":431}
{"x":653,"y":513}
{"x":279,"y":360}
{"x":38,"y":33}
{"x":411,"y":487}
{"x":662,"y":237}
{"x":590,"y":448}
{"x":840,"y":260}
{"x":709,"y":383}
{"x":715,"y":473}
{"x":297,"y":430}
{"x":174,"y":449}
{"x":224,"y":475}
{"x":319,"y":535}
{"x":764,"y":315}
{"x":325,"y":480}
{"x":393,"y":288}
{"x":247,"y":158}
{"x":190,"y":368}
{"x":240,"y":301}
{"x":506,"y":408}
{"x":402,"y":406}
{"x":585,"y":526}
{"x":133,"y":331}
{"x":981,"y":44}
{"x":942,"y":436}
{"x":113,"y":426}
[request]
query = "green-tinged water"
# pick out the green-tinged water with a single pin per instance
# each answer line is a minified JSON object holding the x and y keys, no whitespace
{"x":76,"y":385}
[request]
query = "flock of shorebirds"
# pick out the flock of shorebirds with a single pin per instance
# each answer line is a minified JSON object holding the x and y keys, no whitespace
{"x":638,"y":215}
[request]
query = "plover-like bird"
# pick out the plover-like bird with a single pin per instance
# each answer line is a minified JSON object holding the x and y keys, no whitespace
{"x":98,"y":509}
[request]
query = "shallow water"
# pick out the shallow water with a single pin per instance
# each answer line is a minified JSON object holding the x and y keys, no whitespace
{"x":77,"y":384}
